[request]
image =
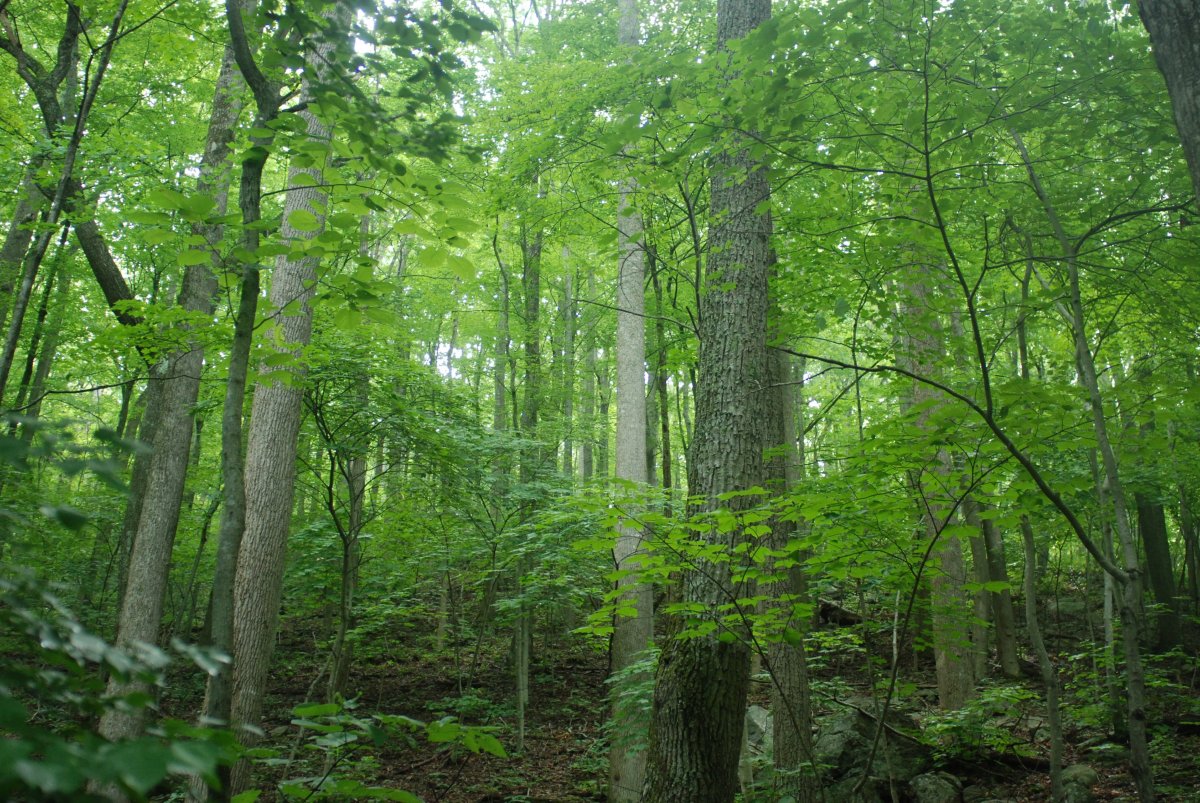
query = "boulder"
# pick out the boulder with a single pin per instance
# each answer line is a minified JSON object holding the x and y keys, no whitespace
{"x":1078,"y":780}
{"x":936,"y":787}
{"x":843,"y":746}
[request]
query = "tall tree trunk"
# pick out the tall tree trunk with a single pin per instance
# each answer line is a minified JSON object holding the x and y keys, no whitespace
{"x":950,"y":610}
{"x":631,"y":634}
{"x":791,"y":704}
{"x":568,"y":408}
{"x":19,"y":236}
{"x":1002,"y":606}
{"x":1139,"y":753}
{"x":1174,"y":28}
{"x":660,"y":385}
{"x":587,"y":412}
{"x":270,"y":465}
{"x":531,"y":457}
{"x":1049,"y":675}
{"x":704,"y":679}
{"x":178,"y":380}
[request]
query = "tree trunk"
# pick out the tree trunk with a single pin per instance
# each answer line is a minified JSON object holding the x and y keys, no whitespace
{"x":1002,"y":607}
{"x":631,"y":634}
{"x":1174,"y":28}
{"x":700,"y":696}
{"x":1152,"y":524}
{"x":531,"y":457}
{"x":274,"y":425}
{"x":791,"y":705}
{"x":1139,"y":753}
{"x":1049,"y":675}
{"x":178,"y":380}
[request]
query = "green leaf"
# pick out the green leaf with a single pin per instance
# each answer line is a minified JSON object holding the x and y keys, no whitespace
{"x":193,"y":256}
{"x":316,"y":710}
{"x":303,"y":220}
{"x":148,"y":218}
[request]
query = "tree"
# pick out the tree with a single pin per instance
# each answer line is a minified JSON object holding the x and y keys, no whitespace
{"x":1174,"y":28}
{"x":633,"y":629}
{"x":704,"y":678}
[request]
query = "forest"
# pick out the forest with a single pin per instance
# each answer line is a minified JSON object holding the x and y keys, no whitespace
{"x":688,"y":401}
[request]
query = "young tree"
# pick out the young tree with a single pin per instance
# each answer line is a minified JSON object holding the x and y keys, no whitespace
{"x":631,"y":633}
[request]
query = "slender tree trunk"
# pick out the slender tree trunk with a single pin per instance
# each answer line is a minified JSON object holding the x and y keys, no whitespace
{"x":1131,"y":591}
{"x":1002,"y":607}
{"x":531,"y":457}
{"x":569,"y":383}
{"x":587,"y":412}
{"x":704,"y":679}
{"x":791,"y":705}
{"x":1049,"y":675}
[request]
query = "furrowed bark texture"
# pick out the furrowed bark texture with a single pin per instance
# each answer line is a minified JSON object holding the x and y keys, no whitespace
{"x":271,"y":448}
{"x":700,"y":697}
{"x":1174,"y":28}
{"x":178,"y":380}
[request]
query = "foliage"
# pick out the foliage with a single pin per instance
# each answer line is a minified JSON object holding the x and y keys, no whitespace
{"x":341,"y":741}
{"x":56,"y":688}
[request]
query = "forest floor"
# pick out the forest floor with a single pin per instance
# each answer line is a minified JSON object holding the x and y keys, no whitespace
{"x":565,"y":755}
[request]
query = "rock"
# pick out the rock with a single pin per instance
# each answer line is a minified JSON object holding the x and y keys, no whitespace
{"x":974,"y":794}
{"x":759,"y":727}
{"x":1078,"y":780}
{"x":843,"y":745}
{"x":936,"y":787}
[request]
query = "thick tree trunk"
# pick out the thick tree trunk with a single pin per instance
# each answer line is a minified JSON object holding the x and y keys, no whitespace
{"x":631,"y":634}
{"x":700,"y":697}
{"x":1160,"y":571}
{"x":1174,"y":28}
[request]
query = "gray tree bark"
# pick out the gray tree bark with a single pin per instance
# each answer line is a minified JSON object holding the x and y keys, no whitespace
{"x":631,"y":634}
{"x":274,"y":426}
{"x":700,"y":696}
{"x":178,"y":386}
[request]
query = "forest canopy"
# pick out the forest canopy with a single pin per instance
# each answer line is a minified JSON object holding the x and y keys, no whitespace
{"x":699,"y":400}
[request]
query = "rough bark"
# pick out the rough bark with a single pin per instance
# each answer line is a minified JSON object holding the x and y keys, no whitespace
{"x":1174,"y":28}
{"x":274,"y":426}
{"x":791,"y":704}
{"x":178,"y":386}
{"x":700,"y":697}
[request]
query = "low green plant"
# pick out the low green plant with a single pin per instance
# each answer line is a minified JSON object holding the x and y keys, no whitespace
{"x":986,"y":724}
{"x":340,"y":741}
{"x":52,"y":690}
